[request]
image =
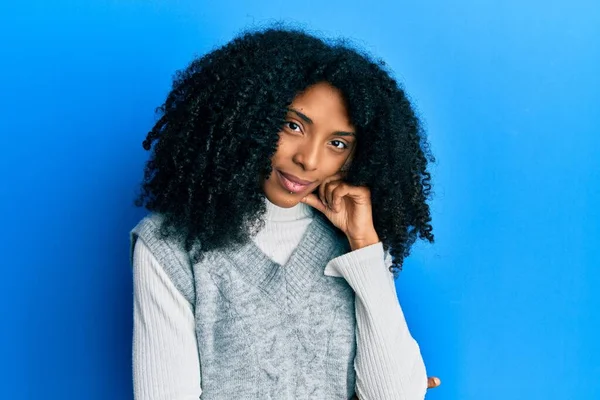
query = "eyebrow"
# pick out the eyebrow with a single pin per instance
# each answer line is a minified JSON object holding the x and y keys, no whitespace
{"x":306,"y":119}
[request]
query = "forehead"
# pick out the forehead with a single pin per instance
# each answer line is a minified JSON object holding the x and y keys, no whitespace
{"x":324,"y":104}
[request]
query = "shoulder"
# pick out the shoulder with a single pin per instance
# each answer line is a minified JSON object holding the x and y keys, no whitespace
{"x":169,"y":252}
{"x":150,"y":224}
{"x":148,"y":231}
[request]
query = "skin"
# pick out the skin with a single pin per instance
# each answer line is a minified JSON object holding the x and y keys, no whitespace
{"x":316,"y":144}
{"x":311,"y":151}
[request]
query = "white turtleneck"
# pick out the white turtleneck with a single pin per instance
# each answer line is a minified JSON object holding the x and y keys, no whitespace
{"x":283,"y":230}
{"x":166,"y":365}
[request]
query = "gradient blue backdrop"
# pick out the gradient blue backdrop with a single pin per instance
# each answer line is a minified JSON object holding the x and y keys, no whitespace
{"x":504,"y":304}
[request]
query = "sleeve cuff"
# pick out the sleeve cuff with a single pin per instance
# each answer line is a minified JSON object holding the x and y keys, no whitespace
{"x":364,"y":258}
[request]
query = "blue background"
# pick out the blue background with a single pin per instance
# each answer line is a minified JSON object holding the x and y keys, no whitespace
{"x":504,"y":304}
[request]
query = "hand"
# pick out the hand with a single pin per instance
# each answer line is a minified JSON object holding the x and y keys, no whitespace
{"x":432,"y":382}
{"x":348,"y":208}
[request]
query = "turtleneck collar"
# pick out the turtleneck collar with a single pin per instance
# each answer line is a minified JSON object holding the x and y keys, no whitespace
{"x":280,"y":214}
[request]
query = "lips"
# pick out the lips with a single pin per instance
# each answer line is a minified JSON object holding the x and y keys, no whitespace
{"x":296,"y":179}
{"x":292,"y":183}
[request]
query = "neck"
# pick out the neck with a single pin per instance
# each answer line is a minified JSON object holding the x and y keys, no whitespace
{"x":276,"y":213}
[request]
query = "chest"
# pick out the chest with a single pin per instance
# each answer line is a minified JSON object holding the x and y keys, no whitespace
{"x":275,"y":333}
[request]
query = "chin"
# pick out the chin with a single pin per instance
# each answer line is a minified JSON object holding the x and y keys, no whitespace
{"x":284,"y":201}
{"x":279,"y":196}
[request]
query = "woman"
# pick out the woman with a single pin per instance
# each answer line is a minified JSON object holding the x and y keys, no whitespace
{"x":286,"y":184}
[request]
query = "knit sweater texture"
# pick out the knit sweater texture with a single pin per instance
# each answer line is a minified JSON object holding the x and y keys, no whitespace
{"x":251,"y":325}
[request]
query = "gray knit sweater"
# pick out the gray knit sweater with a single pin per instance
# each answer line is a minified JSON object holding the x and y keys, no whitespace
{"x":271,"y":331}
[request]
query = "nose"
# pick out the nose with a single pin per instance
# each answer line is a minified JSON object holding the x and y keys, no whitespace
{"x":307,"y":155}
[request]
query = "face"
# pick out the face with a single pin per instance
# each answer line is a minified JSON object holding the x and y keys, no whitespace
{"x":316,"y":141}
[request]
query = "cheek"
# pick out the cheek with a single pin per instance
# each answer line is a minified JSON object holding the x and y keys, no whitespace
{"x":333,"y":165}
{"x":283,"y":149}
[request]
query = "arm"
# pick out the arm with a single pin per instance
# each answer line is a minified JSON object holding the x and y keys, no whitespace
{"x":165,"y":354}
{"x":388,"y":361}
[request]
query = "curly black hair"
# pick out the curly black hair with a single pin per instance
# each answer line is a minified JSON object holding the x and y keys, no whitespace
{"x":219,"y":127}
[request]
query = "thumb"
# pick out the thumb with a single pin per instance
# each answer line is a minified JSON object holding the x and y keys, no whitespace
{"x":433,"y":382}
{"x":313,"y":201}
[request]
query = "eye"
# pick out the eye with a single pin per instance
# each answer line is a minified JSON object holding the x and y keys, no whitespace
{"x":338,"y":144}
{"x":293,"y":126}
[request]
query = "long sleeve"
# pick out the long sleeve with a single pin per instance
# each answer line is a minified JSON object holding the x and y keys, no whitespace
{"x":165,"y":355}
{"x":388,"y":360}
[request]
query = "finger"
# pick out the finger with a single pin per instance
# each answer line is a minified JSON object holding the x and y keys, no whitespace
{"x":433,"y":382}
{"x":323,"y":186}
{"x":360,"y":194}
{"x":313,"y":201}
{"x":338,"y":190}
{"x":344,"y":189}
{"x":322,"y":192}
{"x":330,"y":191}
